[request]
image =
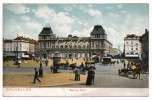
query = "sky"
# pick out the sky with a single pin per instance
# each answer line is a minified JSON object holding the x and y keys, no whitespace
{"x":117,"y":19}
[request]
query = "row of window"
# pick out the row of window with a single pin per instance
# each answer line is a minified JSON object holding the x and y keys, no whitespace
{"x":133,"y":49}
{"x":13,"y":49}
{"x":67,"y":46}
{"x":131,"y":42}
{"x":132,"y":53}
{"x":71,"y":47}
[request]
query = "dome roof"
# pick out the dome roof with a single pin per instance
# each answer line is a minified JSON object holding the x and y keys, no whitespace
{"x":46,"y":31}
{"x":98,"y":29}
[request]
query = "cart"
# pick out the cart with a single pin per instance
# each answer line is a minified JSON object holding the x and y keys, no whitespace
{"x":106,"y":60}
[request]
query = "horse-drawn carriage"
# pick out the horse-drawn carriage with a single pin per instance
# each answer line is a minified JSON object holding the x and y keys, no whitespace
{"x":135,"y":71}
{"x":108,"y":60}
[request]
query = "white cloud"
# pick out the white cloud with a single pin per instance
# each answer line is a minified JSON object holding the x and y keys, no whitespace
{"x":90,"y":11}
{"x":119,"y":6}
{"x":17,"y":8}
{"x":90,"y":5}
{"x":115,"y":37}
{"x":113,"y":15}
{"x":94,"y":13}
{"x":124,"y":12}
{"x":61,"y":22}
{"x":25,"y":18}
{"x":49,"y":15}
{"x":83,"y":33}
{"x":14,"y":29}
{"x":68,"y":9}
{"x":33,"y":25}
{"x":61,"y":18}
{"x":44,"y":12}
{"x":109,"y":7}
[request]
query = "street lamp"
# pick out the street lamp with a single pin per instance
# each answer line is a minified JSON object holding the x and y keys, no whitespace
{"x":40,"y":69}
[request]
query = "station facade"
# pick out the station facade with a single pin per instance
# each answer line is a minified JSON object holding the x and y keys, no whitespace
{"x":73,"y":46}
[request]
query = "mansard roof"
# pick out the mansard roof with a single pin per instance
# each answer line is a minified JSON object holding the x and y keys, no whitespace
{"x":46,"y":31}
{"x":98,"y":29}
{"x":32,"y":41}
{"x":7,"y":41}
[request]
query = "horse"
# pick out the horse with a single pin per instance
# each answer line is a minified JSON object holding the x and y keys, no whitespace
{"x":112,"y":62}
{"x":137,"y":70}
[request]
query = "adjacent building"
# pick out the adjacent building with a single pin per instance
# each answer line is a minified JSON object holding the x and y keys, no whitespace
{"x":144,"y":39}
{"x":20,"y":47}
{"x":74,"y":46}
{"x":132,"y":46}
{"x":15,"y":48}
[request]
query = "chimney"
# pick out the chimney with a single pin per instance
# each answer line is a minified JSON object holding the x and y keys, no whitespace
{"x":146,"y":31}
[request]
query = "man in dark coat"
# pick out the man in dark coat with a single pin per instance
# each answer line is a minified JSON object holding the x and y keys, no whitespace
{"x":46,"y":62}
{"x":93,"y":76}
{"x":36,"y":76}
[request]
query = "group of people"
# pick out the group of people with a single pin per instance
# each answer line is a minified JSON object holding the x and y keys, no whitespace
{"x":90,"y":76}
{"x":78,"y":70}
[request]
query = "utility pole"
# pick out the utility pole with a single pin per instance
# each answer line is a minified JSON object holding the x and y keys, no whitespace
{"x":41,"y":69}
{"x":17,"y":49}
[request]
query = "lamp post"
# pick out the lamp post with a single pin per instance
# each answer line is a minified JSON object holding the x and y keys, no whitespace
{"x":40,"y":69}
{"x":18,"y":62}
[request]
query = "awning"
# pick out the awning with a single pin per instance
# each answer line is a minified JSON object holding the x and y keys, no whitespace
{"x":131,"y":55}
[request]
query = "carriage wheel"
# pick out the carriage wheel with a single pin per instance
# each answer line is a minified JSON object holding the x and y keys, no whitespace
{"x":119,"y":71}
{"x":135,"y":75}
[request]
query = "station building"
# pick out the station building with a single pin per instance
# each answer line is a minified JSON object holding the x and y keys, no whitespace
{"x":73,"y":46}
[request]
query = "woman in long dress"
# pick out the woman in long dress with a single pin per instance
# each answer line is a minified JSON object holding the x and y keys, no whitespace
{"x":89,"y":77}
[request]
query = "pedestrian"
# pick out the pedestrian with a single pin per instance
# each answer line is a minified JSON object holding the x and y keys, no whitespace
{"x":51,"y":68}
{"x":124,"y":64}
{"x":67,"y":64}
{"x":36,"y":75}
{"x":89,"y":77}
{"x":19,"y":63}
{"x":93,"y":76}
{"x":75,"y":71}
{"x":46,"y":62}
{"x":81,"y":67}
{"x":86,"y":67}
{"x":77,"y":74}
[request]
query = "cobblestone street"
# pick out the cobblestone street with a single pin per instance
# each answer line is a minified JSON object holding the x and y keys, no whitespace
{"x":108,"y":77}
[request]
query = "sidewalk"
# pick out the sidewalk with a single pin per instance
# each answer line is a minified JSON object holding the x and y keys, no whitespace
{"x":31,"y":63}
{"x":49,"y":80}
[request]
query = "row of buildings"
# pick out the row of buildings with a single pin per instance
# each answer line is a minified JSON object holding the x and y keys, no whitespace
{"x":137,"y":47}
{"x":76,"y":47}
{"x":20,"y":47}
{"x":68,"y":47}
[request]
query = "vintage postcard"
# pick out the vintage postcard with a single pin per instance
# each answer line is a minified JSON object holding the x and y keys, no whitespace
{"x":75,"y":49}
